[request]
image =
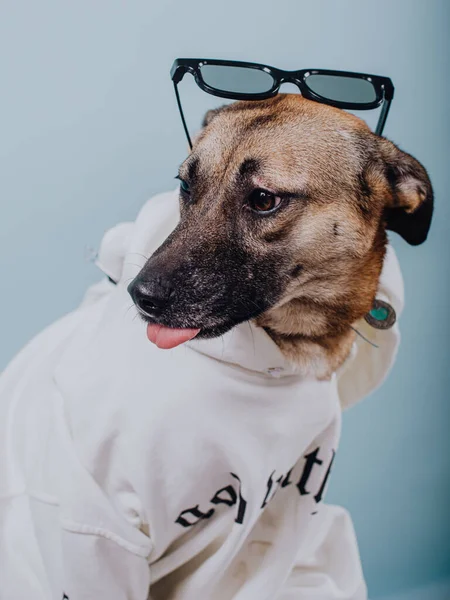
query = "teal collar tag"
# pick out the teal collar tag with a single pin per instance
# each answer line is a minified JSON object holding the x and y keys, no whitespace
{"x":381,"y":316}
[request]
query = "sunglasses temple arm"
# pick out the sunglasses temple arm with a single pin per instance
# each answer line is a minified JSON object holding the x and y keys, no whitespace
{"x":182,"y":115}
{"x":383,"y":116}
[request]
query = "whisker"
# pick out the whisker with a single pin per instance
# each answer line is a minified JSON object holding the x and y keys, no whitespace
{"x":258,"y":307}
{"x":139,"y":254}
{"x":364,"y":337}
{"x":128,"y":309}
{"x":134,"y":264}
{"x":253,"y":338}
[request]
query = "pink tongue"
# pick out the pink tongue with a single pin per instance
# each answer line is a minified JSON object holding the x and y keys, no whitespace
{"x":166,"y":337}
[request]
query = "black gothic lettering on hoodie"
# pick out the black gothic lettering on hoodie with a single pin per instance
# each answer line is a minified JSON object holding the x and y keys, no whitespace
{"x":278,"y":482}
{"x":242,"y":503}
{"x":311,"y":460}
{"x":196,"y":513}
{"x":286,"y":481}
{"x":229,"y":501}
{"x":269,"y":488}
{"x":229,"y":496}
{"x":319,"y":495}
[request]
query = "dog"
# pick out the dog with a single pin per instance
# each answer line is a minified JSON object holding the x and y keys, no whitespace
{"x":194,"y":467}
{"x":307,"y":268}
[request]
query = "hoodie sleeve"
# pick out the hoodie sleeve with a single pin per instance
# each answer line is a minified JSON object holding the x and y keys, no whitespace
{"x":101,"y":567}
{"x":332,"y":570}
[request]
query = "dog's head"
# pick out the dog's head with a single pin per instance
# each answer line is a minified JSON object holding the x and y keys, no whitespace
{"x":284,"y":209}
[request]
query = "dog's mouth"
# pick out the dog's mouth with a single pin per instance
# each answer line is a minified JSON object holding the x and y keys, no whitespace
{"x":166,"y":337}
{"x":168,"y":329}
{"x":169,"y":337}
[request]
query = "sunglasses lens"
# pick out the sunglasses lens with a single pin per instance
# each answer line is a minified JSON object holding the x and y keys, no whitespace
{"x":238,"y":80}
{"x":342,"y":89}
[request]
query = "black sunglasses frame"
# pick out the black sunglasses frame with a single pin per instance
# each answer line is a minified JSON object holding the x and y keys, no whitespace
{"x":383,"y":86}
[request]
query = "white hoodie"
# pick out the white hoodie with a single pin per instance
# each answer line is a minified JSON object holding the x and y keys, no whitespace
{"x":129,"y":472}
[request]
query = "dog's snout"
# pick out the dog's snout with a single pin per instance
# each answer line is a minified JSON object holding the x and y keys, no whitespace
{"x":151,"y":296}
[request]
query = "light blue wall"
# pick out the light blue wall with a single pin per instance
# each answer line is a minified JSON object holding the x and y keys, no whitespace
{"x":89,"y":129}
{"x":440,"y":590}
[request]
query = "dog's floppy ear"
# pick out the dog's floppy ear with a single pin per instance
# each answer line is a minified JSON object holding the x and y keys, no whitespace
{"x":410,"y":210}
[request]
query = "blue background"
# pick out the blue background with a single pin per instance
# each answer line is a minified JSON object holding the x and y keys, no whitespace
{"x":89,"y":130}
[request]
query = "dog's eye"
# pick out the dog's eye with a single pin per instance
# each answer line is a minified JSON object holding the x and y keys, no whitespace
{"x":185,"y":186}
{"x":263,"y":201}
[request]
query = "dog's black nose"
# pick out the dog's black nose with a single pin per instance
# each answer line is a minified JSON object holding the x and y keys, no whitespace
{"x":151,"y":296}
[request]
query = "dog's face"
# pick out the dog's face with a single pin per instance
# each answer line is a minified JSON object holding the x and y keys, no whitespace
{"x":284,"y":207}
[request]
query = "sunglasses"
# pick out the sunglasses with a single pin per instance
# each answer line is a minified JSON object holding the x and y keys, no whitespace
{"x":236,"y":80}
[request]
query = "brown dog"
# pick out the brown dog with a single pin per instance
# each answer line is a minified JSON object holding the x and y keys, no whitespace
{"x":285,"y":205}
